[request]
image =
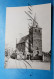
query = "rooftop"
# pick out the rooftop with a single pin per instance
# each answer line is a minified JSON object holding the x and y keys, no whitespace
{"x":23,"y":39}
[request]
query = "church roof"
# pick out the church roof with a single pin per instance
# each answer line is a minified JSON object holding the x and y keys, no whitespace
{"x":23,"y":39}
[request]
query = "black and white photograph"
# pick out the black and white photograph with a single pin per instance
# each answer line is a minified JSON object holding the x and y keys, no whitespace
{"x":28,"y":37}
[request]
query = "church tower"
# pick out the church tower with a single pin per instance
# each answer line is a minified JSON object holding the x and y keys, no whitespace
{"x":35,"y":39}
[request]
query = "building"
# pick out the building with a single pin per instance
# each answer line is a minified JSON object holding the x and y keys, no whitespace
{"x":31,"y":44}
{"x":35,"y":41}
{"x":22,"y":46}
{"x":47,"y":56}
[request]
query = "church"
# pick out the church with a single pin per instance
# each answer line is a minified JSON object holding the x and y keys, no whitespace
{"x":31,"y":44}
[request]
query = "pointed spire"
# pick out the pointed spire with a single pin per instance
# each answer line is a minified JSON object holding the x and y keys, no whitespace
{"x":30,"y":15}
{"x":35,"y":24}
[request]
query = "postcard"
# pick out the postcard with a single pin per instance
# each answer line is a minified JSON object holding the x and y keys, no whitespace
{"x":28,"y":37}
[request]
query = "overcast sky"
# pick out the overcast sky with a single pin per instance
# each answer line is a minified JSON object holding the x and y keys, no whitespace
{"x":17,"y":24}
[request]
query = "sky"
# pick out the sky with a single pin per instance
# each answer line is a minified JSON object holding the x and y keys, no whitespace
{"x":17,"y":24}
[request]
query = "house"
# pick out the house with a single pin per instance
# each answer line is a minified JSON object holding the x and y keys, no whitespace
{"x":46,"y":57}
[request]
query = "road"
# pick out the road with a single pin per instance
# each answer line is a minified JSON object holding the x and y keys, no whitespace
{"x":27,"y":64}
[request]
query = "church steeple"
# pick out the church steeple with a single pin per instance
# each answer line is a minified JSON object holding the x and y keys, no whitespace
{"x":32,"y":20}
{"x":35,"y":24}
